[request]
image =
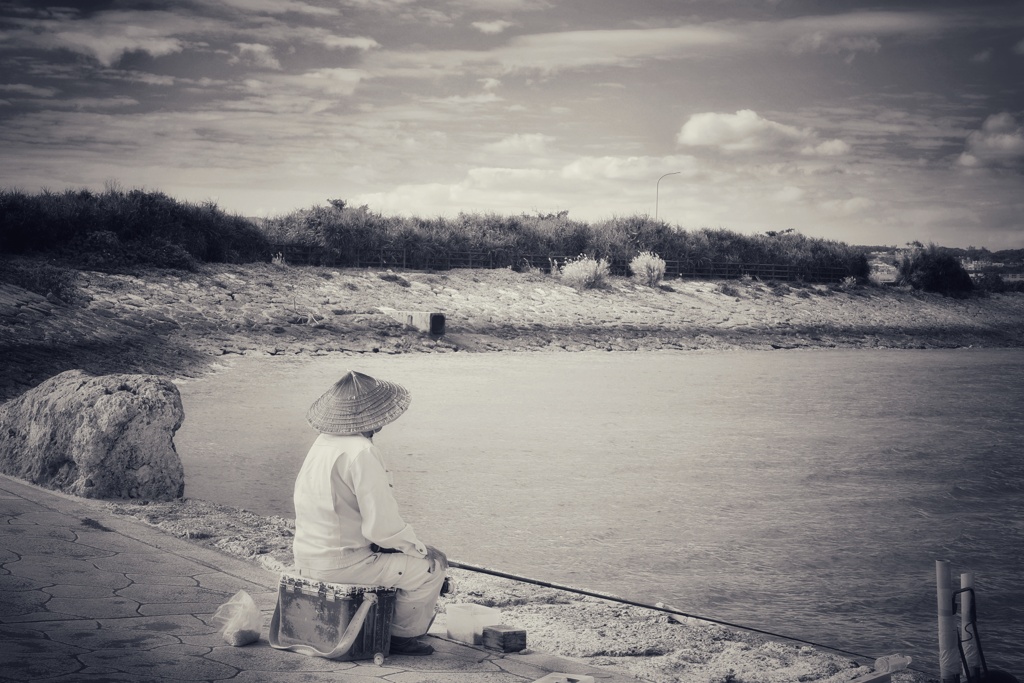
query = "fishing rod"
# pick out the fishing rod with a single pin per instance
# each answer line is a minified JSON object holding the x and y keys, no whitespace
{"x":659,"y":607}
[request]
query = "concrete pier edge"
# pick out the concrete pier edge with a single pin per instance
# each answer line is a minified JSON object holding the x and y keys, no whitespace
{"x":86,"y":594}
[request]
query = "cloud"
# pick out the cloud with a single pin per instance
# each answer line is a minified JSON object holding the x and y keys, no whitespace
{"x":277,"y":32}
{"x":30,"y":90}
{"x":279,"y":7}
{"x":254,"y":54}
{"x":302,"y":93}
{"x":983,"y":57}
{"x":830,"y":44}
{"x":628,"y":168}
{"x":748,"y":131}
{"x":847,"y":34}
{"x":1019,"y":47}
{"x":406,"y":11}
{"x":740,"y":132}
{"x":487,"y":188}
{"x":504,"y":5}
{"x":504,"y":178}
{"x":93,"y":102}
{"x":327,"y":39}
{"x":108,"y":48}
{"x":550,"y":52}
{"x":569,"y":49}
{"x":107,"y":36}
{"x":142,"y":77}
{"x":460,"y":101}
{"x":856,"y":31}
{"x":829,"y":148}
{"x":492,"y":27}
{"x":999,"y":143}
{"x":847,"y":207}
{"x":789,"y":194}
{"x":330,"y":81}
{"x":380,"y":5}
{"x":521,"y":143}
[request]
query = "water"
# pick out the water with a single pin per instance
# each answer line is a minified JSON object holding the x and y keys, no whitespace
{"x":807,"y":493}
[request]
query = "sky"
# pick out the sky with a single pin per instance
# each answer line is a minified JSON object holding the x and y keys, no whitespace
{"x":869,"y":123}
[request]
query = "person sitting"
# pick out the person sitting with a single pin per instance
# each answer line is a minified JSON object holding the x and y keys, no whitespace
{"x":348,"y":528}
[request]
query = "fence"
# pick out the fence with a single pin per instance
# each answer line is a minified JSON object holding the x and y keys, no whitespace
{"x":427,"y":260}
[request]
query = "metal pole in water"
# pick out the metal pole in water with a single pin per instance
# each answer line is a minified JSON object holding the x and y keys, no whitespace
{"x":967,"y":635}
{"x":949,"y":659}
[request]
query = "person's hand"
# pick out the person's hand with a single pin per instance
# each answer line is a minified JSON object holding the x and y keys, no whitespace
{"x":436,"y":559}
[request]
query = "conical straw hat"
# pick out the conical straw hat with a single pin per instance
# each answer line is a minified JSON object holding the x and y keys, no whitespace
{"x":357,"y":403}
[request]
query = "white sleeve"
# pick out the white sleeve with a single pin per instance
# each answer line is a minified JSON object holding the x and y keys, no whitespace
{"x":382,"y":521}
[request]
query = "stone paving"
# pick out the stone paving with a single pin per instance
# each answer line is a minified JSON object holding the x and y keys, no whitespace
{"x":90,"y":596}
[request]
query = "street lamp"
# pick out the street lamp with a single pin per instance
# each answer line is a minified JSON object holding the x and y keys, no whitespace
{"x":657,"y":190}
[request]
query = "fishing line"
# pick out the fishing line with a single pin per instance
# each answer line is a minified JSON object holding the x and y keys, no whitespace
{"x":658,"y":608}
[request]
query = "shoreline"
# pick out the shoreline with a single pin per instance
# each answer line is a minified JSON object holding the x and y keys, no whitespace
{"x":647,"y":644}
{"x":185,"y":324}
{"x":180,"y":324}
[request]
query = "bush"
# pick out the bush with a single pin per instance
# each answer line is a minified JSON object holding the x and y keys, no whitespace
{"x":648,"y":268}
{"x":99,"y":250}
{"x":163,"y":254}
{"x":993,"y":283}
{"x":728,"y":289}
{"x":847,"y":283}
{"x":117,"y":228}
{"x":585,"y":272}
{"x":41,"y":278}
{"x":859,"y":266}
{"x":350,"y":236}
{"x":931,"y":269}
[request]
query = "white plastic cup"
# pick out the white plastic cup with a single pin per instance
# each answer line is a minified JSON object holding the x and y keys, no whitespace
{"x":466,"y":621}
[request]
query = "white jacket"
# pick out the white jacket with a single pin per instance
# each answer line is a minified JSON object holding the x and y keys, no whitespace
{"x":343,"y":502}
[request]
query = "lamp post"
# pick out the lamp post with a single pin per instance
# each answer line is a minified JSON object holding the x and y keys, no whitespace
{"x":657,"y":191}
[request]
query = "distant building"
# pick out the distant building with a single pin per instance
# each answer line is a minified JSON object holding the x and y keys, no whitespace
{"x":971,"y":265}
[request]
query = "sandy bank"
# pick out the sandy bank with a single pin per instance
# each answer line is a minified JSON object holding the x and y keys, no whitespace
{"x":178,"y":324}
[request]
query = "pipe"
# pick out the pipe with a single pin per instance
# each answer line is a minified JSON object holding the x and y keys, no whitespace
{"x":949,"y":664}
{"x":972,"y":671}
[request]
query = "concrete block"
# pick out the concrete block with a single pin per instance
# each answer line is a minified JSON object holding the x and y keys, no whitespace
{"x":431,"y":323}
{"x":504,"y":638}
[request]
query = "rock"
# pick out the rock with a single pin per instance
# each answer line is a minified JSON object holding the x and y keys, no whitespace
{"x":96,"y":437}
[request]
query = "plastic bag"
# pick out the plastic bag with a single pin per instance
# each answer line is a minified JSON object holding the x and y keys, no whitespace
{"x":239,"y":620}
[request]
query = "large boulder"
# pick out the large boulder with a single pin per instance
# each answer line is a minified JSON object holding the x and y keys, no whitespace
{"x":97,"y":437}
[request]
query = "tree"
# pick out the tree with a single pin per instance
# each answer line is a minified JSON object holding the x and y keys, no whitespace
{"x":932,"y":269}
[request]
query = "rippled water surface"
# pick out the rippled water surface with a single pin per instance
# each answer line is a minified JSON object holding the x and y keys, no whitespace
{"x":808,"y":493}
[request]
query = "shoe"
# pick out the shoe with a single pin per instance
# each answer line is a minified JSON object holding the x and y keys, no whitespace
{"x":410,"y":647}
